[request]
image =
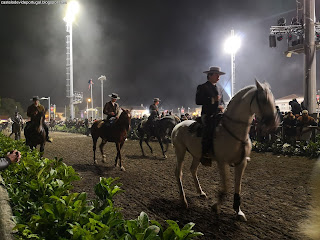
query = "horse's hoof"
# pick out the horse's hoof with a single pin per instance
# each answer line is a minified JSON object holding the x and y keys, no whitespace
{"x":104,"y":158}
{"x":95,"y":162}
{"x":241,"y":217}
{"x":203,"y":195}
{"x":216,"y":209}
{"x":165,"y":157}
{"x":122,"y":169}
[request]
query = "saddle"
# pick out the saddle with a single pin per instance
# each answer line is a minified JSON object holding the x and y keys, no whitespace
{"x":197,"y":126}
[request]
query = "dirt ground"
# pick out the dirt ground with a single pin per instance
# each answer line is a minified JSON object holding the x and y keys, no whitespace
{"x":275,"y":189}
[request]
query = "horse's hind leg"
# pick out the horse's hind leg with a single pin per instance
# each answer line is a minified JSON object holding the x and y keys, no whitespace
{"x":239,"y":171}
{"x":194,"y":170}
{"x":147,"y":142}
{"x":140,"y":142}
{"x":180,"y":153}
{"x":161,"y":145}
{"x":104,"y":157}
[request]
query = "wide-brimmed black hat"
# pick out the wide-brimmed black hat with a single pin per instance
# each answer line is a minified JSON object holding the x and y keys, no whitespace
{"x":114,"y":95}
{"x":35,"y":98}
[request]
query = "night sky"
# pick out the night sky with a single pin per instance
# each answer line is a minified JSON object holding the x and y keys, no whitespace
{"x":146,"y":49}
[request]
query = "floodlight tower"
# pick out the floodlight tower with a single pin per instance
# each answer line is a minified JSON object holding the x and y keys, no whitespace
{"x":102,"y":78}
{"x":72,"y":10}
{"x":231,"y":46}
{"x":307,"y":41}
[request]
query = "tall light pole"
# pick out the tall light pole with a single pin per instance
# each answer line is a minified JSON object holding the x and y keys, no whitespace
{"x":88,"y":100}
{"x":232,"y":45}
{"x":72,"y":10}
{"x":47,"y":98}
{"x":102,"y":78}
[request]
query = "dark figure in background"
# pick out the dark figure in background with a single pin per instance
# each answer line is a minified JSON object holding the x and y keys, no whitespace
{"x":86,"y":125}
{"x":295,"y":107}
{"x":209,"y":96}
{"x":17,"y":125}
{"x":289,"y":127}
{"x":32,"y":111}
{"x":112,"y":109}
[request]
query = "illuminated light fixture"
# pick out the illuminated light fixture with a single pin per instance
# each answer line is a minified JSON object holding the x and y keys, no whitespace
{"x":280,"y":37}
{"x":72,"y":10}
{"x":282,"y":21}
{"x":232,"y":44}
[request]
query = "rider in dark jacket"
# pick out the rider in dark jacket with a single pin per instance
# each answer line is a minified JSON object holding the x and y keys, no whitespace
{"x":209,"y":96}
{"x":33,"y":110}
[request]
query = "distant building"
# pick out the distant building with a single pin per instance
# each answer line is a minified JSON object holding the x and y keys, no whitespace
{"x":283,"y":102}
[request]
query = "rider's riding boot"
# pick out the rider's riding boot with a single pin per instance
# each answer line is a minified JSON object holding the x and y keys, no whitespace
{"x":206,"y":156}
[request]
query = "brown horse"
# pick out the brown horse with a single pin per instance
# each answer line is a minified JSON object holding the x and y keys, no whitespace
{"x":116,"y":133}
{"x":35,"y":133}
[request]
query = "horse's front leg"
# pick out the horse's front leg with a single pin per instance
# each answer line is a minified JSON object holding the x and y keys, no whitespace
{"x":239,"y":171}
{"x":104,"y":157}
{"x":94,"y":149}
{"x":41,"y":149}
{"x":224,"y":171}
{"x":119,"y":146}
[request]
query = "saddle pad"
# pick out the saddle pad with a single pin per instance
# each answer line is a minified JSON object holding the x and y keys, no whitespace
{"x":100,"y":124}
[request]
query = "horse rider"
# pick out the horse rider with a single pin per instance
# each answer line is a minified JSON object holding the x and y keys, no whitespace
{"x":33,"y":110}
{"x":112,"y":109}
{"x":210,"y":97}
{"x":154,"y":112}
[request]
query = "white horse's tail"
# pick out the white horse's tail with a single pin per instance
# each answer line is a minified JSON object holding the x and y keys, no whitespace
{"x":311,"y":226}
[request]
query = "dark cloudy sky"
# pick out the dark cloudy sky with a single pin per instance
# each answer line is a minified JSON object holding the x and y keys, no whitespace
{"x":146,"y":48}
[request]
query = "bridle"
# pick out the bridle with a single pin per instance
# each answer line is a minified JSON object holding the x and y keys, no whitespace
{"x":247,"y":124}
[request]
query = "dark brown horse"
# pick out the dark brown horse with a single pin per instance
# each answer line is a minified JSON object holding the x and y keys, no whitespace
{"x":35,"y":133}
{"x":116,"y":133}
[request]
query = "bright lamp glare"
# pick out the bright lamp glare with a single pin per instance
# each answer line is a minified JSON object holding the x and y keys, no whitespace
{"x":232,"y":44}
{"x":72,"y":10}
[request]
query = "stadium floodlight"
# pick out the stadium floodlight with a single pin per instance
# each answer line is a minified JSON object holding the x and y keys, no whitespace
{"x":72,"y":10}
{"x":231,"y":46}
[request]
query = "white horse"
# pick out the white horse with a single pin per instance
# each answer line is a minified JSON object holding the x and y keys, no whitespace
{"x":232,"y":145}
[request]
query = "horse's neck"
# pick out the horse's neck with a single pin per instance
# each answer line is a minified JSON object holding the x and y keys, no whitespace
{"x":240,"y":115}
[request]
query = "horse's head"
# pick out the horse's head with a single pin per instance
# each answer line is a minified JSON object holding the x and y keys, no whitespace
{"x":264,"y":106}
{"x":125,"y":117}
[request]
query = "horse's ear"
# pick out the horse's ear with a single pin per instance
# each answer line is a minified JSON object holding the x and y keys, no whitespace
{"x":259,"y":86}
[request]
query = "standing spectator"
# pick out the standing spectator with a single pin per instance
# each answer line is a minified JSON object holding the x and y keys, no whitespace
{"x":302,"y":124}
{"x":295,"y":107}
{"x":289,"y":127}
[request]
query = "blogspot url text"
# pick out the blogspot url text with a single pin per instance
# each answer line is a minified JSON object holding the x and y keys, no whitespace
{"x":32,"y":2}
